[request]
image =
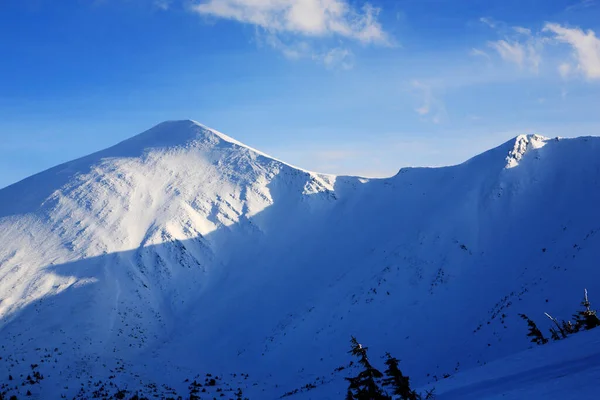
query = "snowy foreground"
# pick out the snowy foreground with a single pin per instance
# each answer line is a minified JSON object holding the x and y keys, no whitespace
{"x":569,"y":369}
{"x":182,"y":252}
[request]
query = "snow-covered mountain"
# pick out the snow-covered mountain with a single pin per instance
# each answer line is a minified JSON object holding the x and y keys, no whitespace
{"x":182,"y":251}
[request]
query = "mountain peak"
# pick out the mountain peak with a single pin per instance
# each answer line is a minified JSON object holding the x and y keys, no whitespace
{"x":178,"y":133}
{"x":521,"y":145}
{"x":182,"y":133}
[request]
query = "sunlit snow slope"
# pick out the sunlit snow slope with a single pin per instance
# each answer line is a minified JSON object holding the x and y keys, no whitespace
{"x":181,"y":251}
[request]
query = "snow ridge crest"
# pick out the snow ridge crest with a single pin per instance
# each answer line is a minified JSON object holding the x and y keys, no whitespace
{"x":523,"y":144}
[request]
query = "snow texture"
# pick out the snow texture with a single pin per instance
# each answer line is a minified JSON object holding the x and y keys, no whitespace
{"x":182,"y":251}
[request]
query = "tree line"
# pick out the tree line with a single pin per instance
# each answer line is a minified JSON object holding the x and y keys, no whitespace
{"x":585,"y":319}
{"x":371,"y":384}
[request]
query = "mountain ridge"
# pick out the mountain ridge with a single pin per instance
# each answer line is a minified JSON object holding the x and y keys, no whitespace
{"x":156,"y":134}
{"x":209,"y":256}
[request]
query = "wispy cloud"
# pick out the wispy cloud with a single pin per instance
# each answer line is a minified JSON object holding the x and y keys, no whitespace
{"x":523,"y":47}
{"x":292,"y":27}
{"x":509,"y":51}
{"x":316,"y":18}
{"x":338,"y":58}
{"x":479,"y":53}
{"x":162,"y":4}
{"x":522,"y":54}
{"x":295,"y":50}
{"x":522,"y":31}
{"x":582,"y":4}
{"x":432,"y":108}
{"x":488,"y":21}
{"x":586,"y":50}
{"x":565,"y":69}
{"x":331,"y":58}
{"x":518,"y":45}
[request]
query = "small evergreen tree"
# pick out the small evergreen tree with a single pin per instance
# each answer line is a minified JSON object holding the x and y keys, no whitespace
{"x":568,"y":327}
{"x":555,"y":332}
{"x":535,"y":334}
{"x":364,"y":386}
{"x":399,"y":382}
{"x":586,"y":319}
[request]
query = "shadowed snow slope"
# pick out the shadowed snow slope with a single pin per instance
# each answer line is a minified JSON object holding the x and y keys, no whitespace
{"x":182,"y":251}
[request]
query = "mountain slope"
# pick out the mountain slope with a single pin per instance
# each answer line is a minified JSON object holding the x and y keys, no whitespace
{"x":182,"y":251}
{"x":568,"y":369}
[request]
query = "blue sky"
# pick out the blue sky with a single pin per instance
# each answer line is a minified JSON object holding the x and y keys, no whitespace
{"x":339,"y":86}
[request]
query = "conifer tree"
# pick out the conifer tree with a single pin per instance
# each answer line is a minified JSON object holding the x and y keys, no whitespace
{"x":586,"y":319}
{"x":364,"y":386}
{"x":399,"y":382}
{"x":535,"y":334}
{"x":554,"y":332}
{"x":568,"y":327}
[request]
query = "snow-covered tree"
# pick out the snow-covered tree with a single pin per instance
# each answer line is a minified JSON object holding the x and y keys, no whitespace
{"x":558,"y":333}
{"x":586,"y":319}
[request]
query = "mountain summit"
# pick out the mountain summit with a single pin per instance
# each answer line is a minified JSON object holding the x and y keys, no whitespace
{"x":182,"y":251}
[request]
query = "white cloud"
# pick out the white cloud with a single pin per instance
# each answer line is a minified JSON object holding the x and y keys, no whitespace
{"x":427,"y":97}
{"x":586,"y":49}
{"x":522,"y":31}
{"x":521,"y":48}
{"x":424,"y":109}
{"x":488,"y":21}
{"x":293,"y":50}
{"x":581,"y":5}
{"x":512,"y":52}
{"x":432,"y":108}
{"x":163,"y":4}
{"x":565,"y":69}
{"x":479,"y":53}
{"x":534,"y":56}
{"x":311,"y":18}
{"x":335,"y":58}
{"x":338,"y":58}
